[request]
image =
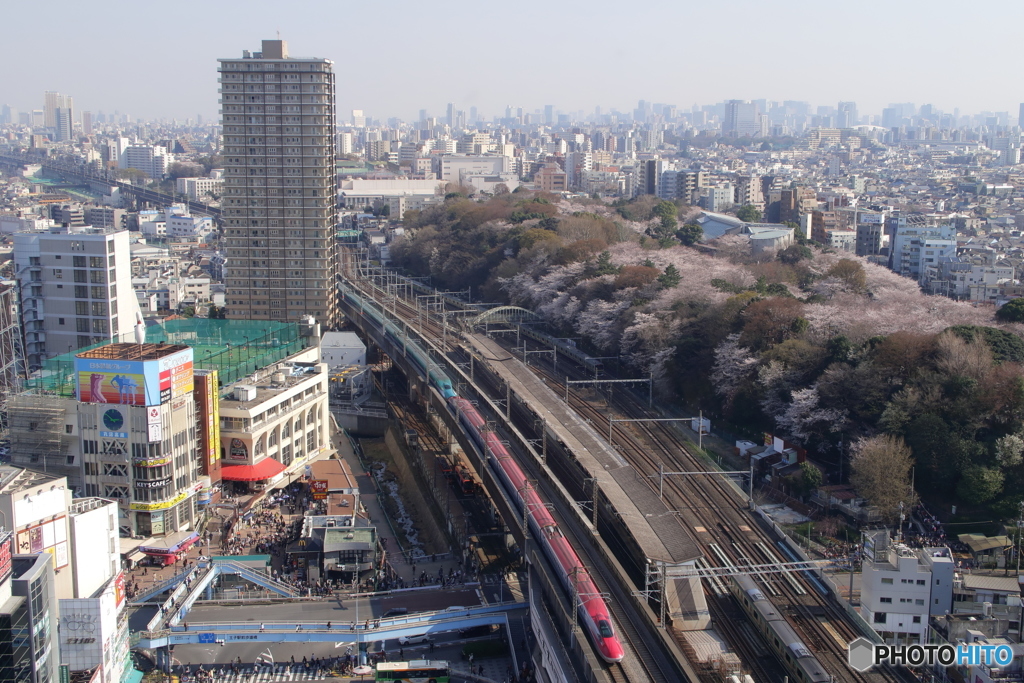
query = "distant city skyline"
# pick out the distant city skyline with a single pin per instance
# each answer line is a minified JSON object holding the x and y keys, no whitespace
{"x":138,"y":60}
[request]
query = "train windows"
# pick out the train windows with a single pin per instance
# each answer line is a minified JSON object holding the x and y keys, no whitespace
{"x":605,"y":629}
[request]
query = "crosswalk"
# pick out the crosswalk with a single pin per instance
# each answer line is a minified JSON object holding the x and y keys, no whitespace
{"x":262,"y":675}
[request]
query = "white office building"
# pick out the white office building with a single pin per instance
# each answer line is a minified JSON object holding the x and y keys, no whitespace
{"x":455,"y":167}
{"x":339,"y":349}
{"x":200,"y":189}
{"x":902,"y":586}
{"x":916,"y":246}
{"x":153,"y":160}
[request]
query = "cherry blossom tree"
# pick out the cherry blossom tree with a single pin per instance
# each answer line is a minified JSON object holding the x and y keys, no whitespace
{"x":734,"y":364}
{"x":804,"y":419}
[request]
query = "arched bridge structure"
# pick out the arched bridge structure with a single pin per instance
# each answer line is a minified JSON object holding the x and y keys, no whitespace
{"x":504,"y":314}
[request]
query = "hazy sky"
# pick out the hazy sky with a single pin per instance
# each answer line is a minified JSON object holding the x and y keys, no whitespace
{"x":156,"y":59}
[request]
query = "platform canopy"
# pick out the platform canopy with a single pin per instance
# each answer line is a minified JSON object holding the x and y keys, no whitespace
{"x":264,"y":469}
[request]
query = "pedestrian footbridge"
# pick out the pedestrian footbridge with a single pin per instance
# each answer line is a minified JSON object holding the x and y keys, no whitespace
{"x":341,"y":633}
{"x":197,"y":583}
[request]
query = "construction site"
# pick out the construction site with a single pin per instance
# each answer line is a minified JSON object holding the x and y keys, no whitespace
{"x":10,"y":352}
{"x":35,"y":409}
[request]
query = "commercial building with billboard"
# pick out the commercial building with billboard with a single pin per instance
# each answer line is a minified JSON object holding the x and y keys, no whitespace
{"x":277,"y":418}
{"x":143,"y":424}
{"x":138,"y":433}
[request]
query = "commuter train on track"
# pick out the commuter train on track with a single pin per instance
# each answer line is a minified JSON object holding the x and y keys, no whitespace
{"x":591,"y":607}
{"x":799,"y":661}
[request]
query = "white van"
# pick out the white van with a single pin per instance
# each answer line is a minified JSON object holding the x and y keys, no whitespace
{"x":414,"y":640}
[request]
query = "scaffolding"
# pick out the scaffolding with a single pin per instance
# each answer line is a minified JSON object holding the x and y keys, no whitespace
{"x":38,"y":439}
{"x":10,"y":353}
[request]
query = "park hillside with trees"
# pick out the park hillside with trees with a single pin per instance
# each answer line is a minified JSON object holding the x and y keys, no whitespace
{"x":835,"y":354}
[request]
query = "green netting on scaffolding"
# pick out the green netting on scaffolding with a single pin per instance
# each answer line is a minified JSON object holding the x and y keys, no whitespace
{"x":234,"y":348}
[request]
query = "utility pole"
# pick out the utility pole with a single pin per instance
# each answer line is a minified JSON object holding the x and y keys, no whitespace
{"x":700,"y":430}
{"x":1020,"y":526}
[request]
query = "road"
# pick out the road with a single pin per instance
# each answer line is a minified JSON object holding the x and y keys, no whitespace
{"x":447,"y":646}
{"x":336,"y":609}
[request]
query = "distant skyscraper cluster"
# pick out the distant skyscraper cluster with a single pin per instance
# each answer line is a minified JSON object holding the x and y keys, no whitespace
{"x":59,"y":114}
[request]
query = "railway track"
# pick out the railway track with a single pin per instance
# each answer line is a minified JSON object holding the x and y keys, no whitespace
{"x":643,"y":663}
{"x":721,"y":524}
{"x":721,"y":514}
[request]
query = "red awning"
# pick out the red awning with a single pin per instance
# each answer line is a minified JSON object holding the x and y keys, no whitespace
{"x":264,"y":469}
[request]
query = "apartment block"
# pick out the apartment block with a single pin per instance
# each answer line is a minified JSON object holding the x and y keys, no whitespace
{"x":279,"y":203}
{"x":76,"y":289}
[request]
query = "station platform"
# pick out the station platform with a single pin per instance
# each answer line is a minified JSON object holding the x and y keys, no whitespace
{"x":655,"y":528}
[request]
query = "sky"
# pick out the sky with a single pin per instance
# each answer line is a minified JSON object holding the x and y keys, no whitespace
{"x":395,"y":57}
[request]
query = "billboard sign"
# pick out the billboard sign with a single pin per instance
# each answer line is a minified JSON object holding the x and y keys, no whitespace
{"x":126,"y":388}
{"x":175,"y":375}
{"x":208,"y":416}
{"x":876,"y":218}
{"x":6,"y":542}
{"x":239,"y":451}
{"x":156,"y":522}
{"x":181,"y":379}
{"x":119,"y":591}
{"x":131,"y":382}
{"x":149,"y":507}
{"x":318,"y":488}
{"x":151,"y":462}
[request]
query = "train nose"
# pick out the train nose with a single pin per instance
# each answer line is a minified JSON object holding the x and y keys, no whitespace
{"x":611,"y":649}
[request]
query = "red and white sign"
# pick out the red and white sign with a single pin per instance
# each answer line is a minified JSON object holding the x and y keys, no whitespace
{"x":238,"y":451}
{"x":5,"y":556}
{"x":319,"y":488}
{"x":119,"y":591}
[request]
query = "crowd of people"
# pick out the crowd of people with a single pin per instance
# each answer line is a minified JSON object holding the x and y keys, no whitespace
{"x":262,"y":530}
{"x":269,"y":527}
{"x":842,"y":556}
{"x":317,"y":666}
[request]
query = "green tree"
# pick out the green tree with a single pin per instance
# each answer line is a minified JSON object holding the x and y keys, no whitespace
{"x":665,"y":209}
{"x":604,"y":264}
{"x":748,"y":213}
{"x":690,"y":234}
{"x":670,"y":278}
{"x":794,"y":253}
{"x":979,"y":484}
{"x":929,"y":435}
{"x":1005,"y":346}
{"x":810,"y":477}
{"x":1012,"y":311}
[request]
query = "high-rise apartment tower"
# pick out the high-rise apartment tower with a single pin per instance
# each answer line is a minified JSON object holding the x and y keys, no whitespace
{"x":280,"y":188}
